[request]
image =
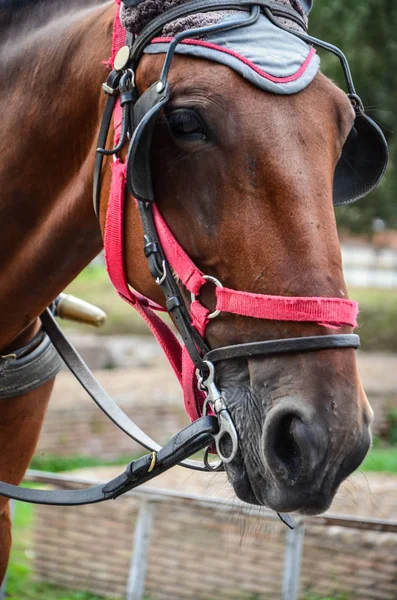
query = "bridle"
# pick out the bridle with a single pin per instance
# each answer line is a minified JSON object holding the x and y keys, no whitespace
{"x":166,"y":258}
{"x":172,"y":268}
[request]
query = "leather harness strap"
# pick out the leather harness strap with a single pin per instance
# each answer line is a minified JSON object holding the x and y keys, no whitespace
{"x":190,"y":440}
{"x":29,"y":367}
{"x":94,"y":389}
{"x":286,"y":346}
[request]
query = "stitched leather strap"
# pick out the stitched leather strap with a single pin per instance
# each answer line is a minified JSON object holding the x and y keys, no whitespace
{"x":193,"y":438}
{"x":30,"y":367}
{"x":285,"y":346}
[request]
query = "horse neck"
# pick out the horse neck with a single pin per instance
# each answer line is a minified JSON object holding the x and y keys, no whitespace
{"x":51,"y":108}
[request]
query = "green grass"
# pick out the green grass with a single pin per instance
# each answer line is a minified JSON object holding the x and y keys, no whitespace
{"x":20,"y":583}
{"x":381,"y":460}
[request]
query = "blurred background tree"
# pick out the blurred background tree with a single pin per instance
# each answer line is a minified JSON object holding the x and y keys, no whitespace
{"x":366,"y":31}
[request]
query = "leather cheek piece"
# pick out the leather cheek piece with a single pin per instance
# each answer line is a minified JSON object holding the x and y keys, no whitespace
{"x":362,"y":163}
{"x":146,"y":111}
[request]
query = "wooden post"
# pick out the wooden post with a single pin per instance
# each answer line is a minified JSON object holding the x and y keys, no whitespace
{"x":292,"y":561}
{"x":137,"y":573}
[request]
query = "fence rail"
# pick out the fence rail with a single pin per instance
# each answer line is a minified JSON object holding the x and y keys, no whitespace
{"x":152,"y":500}
{"x":327,"y":520}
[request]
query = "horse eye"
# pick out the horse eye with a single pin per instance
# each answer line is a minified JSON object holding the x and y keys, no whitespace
{"x":186,"y":124}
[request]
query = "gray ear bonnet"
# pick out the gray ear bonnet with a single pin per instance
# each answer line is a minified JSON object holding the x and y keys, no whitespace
{"x":266,"y":56}
{"x":270,"y":48}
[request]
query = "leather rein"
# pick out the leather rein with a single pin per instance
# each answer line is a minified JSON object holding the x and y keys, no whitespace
{"x":195,"y":362}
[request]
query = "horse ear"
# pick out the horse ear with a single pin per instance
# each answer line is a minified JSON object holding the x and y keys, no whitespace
{"x":307,"y":5}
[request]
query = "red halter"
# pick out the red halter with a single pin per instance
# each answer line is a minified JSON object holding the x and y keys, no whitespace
{"x":328,"y":312}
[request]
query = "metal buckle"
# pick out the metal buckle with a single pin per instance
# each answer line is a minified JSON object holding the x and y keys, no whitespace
{"x":218,"y":284}
{"x":160,"y":280}
{"x":218,"y":405}
{"x":109,"y":90}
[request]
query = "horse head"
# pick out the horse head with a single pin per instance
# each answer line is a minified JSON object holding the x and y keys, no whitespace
{"x":244,"y":178}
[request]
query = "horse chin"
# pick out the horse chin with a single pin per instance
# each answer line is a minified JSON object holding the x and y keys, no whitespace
{"x":238,"y":477}
{"x":302,"y":501}
{"x":280,"y":498}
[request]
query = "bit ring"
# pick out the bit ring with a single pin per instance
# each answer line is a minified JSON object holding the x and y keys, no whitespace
{"x":217,"y":284}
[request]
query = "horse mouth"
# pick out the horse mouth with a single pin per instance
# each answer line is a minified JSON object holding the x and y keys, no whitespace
{"x":238,"y":476}
{"x":282,"y":498}
{"x":310,"y":496}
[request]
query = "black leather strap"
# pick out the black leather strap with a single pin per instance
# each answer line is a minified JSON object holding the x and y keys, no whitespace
{"x":193,"y":438}
{"x":112,"y":83}
{"x":84,"y":376}
{"x":285,"y":346}
{"x":195,"y":344}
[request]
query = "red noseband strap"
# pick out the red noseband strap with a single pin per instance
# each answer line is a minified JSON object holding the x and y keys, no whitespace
{"x":328,"y":312}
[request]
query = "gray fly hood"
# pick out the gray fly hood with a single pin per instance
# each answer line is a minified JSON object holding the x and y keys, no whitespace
{"x":265,"y":55}
{"x":266,"y":42}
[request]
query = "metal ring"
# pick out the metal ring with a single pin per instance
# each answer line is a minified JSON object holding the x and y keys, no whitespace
{"x":212,"y":466}
{"x":160,"y":280}
{"x":356,"y":101}
{"x":218,"y":284}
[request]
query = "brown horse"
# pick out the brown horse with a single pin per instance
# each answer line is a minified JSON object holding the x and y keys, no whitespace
{"x":252,"y":207}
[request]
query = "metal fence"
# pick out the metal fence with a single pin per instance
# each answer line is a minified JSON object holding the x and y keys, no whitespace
{"x":151,"y":499}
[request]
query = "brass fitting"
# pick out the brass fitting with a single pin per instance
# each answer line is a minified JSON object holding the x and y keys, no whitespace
{"x":73,"y":309}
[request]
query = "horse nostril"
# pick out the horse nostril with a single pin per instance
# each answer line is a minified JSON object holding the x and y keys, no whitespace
{"x":286,"y":447}
{"x":292,"y":448}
